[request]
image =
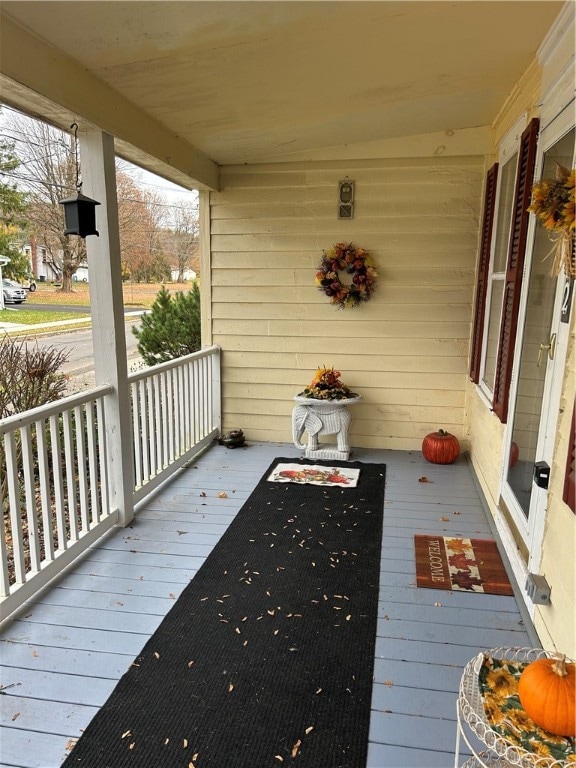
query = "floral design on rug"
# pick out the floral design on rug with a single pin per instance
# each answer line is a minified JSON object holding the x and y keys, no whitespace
{"x":314,"y":475}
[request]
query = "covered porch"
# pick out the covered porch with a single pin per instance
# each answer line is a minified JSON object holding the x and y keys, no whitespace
{"x":442,"y":133}
{"x":64,"y":654}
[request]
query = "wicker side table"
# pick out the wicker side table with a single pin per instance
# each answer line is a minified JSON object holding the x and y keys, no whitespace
{"x":470,"y":712}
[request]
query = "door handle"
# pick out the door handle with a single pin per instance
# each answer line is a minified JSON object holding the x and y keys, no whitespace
{"x":550,"y":348}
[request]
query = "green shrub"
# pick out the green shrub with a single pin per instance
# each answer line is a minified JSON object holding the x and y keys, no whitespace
{"x":172,"y":327}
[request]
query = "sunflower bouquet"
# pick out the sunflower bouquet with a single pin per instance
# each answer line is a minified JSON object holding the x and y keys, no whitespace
{"x":553,"y":204}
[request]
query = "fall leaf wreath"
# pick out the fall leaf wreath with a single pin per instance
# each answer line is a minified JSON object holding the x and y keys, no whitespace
{"x":553,"y":203}
{"x":344,"y":257}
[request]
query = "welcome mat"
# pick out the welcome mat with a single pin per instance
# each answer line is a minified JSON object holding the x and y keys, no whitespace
{"x":267,"y":657}
{"x":315,"y":474}
{"x":469,"y":565}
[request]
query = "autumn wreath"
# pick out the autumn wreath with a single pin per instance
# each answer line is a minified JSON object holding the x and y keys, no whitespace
{"x":553,"y":203}
{"x":355,"y":262}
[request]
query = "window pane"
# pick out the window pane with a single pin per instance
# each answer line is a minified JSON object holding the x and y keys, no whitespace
{"x":507,"y":183}
{"x":493,"y":332}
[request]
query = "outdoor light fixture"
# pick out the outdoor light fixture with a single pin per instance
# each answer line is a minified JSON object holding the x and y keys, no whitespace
{"x":345,"y":199}
{"x":79,"y":210}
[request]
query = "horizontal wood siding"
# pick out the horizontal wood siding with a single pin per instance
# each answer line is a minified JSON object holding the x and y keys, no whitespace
{"x":405,"y":351}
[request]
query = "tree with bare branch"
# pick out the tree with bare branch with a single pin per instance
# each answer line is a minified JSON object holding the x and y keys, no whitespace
{"x":184,"y":230}
{"x":48,"y":171}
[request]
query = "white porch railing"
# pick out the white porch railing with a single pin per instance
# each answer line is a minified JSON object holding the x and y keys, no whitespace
{"x":54,"y":469}
{"x":175,"y":414}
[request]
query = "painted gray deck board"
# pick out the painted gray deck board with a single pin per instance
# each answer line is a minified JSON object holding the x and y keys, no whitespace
{"x":419,"y":675}
{"x":116,"y":586}
{"x":59,"y":687}
{"x":25,"y":713}
{"x":68,"y":650}
{"x":32,"y":749}
{"x":110,"y":563}
{"x":451,"y":616}
{"x":78,"y":598}
{"x":76,"y":662}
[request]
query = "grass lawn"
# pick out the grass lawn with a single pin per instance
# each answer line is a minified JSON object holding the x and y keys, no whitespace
{"x":33,"y":317}
{"x":135,"y":294}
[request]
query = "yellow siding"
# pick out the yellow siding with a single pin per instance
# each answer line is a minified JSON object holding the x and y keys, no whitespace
{"x":559,"y":544}
{"x":556,"y":623}
{"x":405,"y":350}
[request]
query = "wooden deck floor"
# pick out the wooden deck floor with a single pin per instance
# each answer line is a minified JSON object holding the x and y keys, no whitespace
{"x":63,"y":656}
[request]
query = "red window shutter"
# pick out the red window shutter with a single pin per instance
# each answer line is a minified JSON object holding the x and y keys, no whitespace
{"x":570,"y":478}
{"x":514,"y":268}
{"x":483,"y":272}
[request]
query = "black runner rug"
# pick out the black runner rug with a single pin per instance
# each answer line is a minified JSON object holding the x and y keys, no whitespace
{"x":266,"y":659}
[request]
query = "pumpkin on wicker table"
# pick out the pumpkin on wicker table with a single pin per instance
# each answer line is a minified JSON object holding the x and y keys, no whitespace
{"x":547,"y":691}
{"x":440,"y":447}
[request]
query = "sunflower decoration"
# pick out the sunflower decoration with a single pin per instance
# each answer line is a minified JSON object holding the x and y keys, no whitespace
{"x":505,"y":715}
{"x":356,"y":262}
{"x":553,"y":204}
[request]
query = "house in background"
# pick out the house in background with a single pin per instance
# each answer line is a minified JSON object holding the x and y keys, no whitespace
{"x":41,"y":265}
{"x":443,"y":115}
{"x":187,"y":274}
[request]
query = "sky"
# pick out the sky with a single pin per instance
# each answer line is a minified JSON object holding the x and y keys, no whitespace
{"x":172,"y":193}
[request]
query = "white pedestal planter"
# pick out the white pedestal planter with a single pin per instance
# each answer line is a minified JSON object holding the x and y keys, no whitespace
{"x":322,"y":417}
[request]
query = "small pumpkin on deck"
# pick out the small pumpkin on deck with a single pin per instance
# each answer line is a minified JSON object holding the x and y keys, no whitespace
{"x":547,"y":692}
{"x":440,"y":447}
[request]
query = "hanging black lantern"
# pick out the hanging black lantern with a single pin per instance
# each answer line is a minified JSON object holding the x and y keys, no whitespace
{"x":79,"y":210}
{"x":80,"y":215}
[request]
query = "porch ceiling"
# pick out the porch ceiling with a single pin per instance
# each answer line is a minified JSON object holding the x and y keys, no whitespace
{"x":248,"y":82}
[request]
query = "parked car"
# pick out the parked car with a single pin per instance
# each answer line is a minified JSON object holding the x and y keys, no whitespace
{"x":13,"y":292}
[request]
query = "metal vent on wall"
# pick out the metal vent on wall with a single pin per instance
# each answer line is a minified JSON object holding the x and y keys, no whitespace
{"x":538,"y":589}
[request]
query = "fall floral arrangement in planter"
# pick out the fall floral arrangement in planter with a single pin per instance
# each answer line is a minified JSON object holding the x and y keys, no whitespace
{"x":344,"y":257}
{"x":326,"y":385}
{"x":553,"y":203}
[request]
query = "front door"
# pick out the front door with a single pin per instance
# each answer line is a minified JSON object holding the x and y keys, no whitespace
{"x":539,"y":364}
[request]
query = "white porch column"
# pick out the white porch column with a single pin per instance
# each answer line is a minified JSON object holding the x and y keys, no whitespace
{"x":107,"y":309}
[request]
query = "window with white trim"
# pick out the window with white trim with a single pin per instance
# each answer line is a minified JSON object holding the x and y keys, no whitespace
{"x":507,"y":166}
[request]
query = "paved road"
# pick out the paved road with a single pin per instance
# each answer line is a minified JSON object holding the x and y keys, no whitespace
{"x":78,"y":345}
{"x":49,"y":307}
{"x":62,"y":308}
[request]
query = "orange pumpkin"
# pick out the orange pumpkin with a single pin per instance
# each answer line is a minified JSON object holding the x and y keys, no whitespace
{"x":440,"y":447}
{"x":547,"y":692}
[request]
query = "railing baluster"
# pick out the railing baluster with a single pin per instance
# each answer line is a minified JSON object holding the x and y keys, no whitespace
{"x":182,"y":410}
{"x":138,"y":461}
{"x":172,"y":424}
{"x":44,"y":483}
{"x":83,"y":481}
{"x":144,"y":429}
{"x":101,"y":475}
{"x":56,"y":455}
{"x":4,"y":574}
{"x":164,"y":409}
{"x":15,"y":509}
{"x":69,"y":474}
{"x":92,"y":440}
{"x":157,"y":422}
{"x":30,"y":498}
{"x":194,"y":401}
